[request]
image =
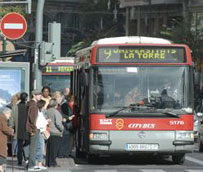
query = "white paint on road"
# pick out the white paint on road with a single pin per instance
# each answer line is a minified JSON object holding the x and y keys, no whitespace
{"x":194,"y":160}
{"x":106,"y":170}
{"x":152,"y":170}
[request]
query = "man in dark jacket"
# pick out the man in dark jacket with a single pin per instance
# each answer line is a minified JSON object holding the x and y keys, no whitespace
{"x":32,"y":129}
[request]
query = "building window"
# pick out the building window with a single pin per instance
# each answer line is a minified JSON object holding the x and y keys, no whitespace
{"x":60,"y":17}
{"x":74,"y":21}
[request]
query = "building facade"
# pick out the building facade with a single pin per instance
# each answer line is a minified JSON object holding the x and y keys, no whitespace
{"x":61,"y":11}
{"x":147,"y":17}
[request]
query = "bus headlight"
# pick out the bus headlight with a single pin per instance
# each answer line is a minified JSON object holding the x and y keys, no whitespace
{"x":184,"y":135}
{"x":98,"y":136}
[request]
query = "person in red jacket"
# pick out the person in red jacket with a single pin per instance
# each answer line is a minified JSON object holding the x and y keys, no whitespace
{"x":5,"y":131}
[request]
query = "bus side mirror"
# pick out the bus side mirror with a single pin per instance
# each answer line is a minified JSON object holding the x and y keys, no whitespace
{"x":83,"y":78}
{"x":199,"y":114}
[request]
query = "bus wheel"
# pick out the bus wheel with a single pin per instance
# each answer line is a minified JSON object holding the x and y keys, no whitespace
{"x":178,"y":158}
{"x":200,"y":145}
{"x":92,"y":159}
{"x":80,"y":154}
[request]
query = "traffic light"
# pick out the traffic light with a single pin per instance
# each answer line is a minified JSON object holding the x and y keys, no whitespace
{"x":46,"y":54}
{"x":51,"y":50}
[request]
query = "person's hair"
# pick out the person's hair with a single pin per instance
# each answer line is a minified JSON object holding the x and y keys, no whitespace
{"x":57,"y":95}
{"x":65,"y":91}
{"x":71,"y":98}
{"x":53,"y":102}
{"x":6,"y":110}
{"x":40,"y":104}
{"x":14,"y":99}
{"x":23,"y":97}
{"x":46,"y":87}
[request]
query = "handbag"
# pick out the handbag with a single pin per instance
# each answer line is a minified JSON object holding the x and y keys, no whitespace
{"x":69,"y":125}
{"x":46,"y":134}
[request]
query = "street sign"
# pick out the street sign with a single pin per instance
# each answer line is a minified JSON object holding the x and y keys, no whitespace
{"x":13,"y":26}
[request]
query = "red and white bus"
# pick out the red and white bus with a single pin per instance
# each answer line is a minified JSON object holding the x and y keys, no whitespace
{"x":135,"y":95}
{"x":57,"y":74}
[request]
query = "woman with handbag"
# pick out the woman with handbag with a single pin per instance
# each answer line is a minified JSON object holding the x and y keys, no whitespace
{"x":69,"y":125}
{"x":56,"y":131}
{"x":67,"y":122}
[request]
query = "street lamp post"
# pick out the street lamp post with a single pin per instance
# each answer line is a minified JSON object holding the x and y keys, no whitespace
{"x":38,"y":40}
{"x":127,"y":22}
{"x":150,"y":18}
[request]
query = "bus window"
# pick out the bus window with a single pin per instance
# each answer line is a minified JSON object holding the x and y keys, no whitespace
{"x":116,"y":87}
{"x":56,"y":82}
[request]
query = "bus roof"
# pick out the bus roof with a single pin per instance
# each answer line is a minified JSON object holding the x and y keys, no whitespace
{"x":64,"y":60}
{"x":131,"y":40}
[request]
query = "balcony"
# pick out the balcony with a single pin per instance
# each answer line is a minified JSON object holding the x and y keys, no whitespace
{"x":66,"y":1}
{"x":130,"y":3}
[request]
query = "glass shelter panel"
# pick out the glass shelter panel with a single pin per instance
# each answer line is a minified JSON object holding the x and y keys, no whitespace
{"x":14,"y":78}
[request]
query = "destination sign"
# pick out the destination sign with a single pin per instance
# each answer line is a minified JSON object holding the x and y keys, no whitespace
{"x":57,"y":69}
{"x":140,"y":54}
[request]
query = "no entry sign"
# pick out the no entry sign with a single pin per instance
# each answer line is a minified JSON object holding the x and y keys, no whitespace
{"x":13,"y":26}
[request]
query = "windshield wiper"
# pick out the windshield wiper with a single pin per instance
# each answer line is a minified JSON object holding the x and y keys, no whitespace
{"x":123,"y":108}
{"x":171,"y":114}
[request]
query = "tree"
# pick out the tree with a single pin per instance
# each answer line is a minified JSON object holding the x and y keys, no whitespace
{"x":181,"y":32}
{"x":98,"y":20}
{"x":8,"y":9}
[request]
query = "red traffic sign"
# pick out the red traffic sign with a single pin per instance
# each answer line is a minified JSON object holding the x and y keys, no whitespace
{"x":13,"y":26}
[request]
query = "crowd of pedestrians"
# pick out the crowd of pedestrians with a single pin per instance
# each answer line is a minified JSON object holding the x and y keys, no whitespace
{"x":42,"y":128}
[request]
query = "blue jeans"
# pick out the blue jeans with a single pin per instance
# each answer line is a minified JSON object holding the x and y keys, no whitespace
{"x":15,"y":146}
{"x":40,"y":149}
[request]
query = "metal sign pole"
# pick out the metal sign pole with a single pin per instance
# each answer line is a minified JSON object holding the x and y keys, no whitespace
{"x":4,"y":46}
{"x":38,"y":41}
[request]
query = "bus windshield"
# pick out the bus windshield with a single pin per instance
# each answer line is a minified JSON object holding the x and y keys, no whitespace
{"x":56,"y":82}
{"x":161,"y":87}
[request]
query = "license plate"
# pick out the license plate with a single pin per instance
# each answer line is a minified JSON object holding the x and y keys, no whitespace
{"x":141,"y":147}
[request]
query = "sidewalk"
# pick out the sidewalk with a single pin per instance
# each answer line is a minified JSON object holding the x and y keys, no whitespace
{"x":65,"y":165}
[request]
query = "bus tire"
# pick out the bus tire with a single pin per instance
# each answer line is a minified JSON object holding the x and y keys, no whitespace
{"x":80,"y":154}
{"x":92,"y":159}
{"x":200,"y":146}
{"x":178,"y":158}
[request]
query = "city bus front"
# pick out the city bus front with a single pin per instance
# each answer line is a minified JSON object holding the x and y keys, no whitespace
{"x":145,"y":108}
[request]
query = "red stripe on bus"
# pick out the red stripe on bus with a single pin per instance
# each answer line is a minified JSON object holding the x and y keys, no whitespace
{"x":100,"y":122}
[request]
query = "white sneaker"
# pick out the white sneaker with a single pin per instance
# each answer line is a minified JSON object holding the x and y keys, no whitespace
{"x":42,"y":167}
{"x":35,"y":168}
